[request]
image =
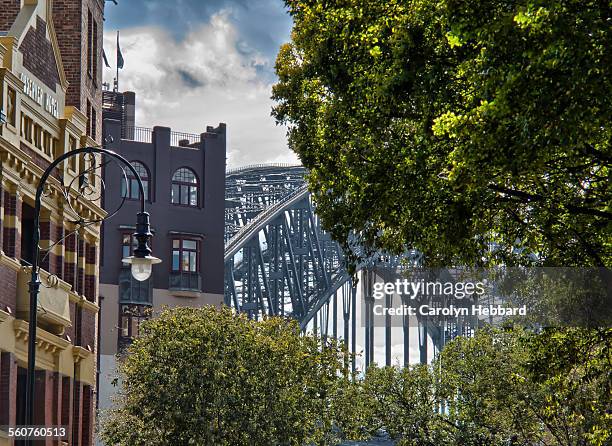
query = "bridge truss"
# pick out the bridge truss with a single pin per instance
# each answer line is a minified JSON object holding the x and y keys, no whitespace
{"x":279,"y":261}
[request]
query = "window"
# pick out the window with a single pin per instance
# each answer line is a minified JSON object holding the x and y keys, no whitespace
{"x":11,"y":106}
{"x":88,"y":118}
{"x":130,"y":190}
{"x":38,"y":136}
{"x":89,"y":42}
{"x":185,"y":255}
{"x":185,"y":188}
{"x":48,"y":144}
{"x":94,"y":55}
{"x":130,"y":318}
{"x":72,"y":145}
{"x":185,"y":264}
{"x":94,"y":123}
{"x":131,"y":290}
{"x":128,"y":244}
{"x":54,"y":148}
{"x":26,"y":127}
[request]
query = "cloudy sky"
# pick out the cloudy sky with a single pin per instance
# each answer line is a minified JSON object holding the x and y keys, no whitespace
{"x":194,"y":63}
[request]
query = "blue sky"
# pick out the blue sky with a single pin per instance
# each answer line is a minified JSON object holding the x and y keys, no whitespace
{"x":194,"y":63}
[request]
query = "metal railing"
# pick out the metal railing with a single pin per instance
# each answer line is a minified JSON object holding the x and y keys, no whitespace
{"x":145,"y":134}
{"x":177,"y":137}
{"x":185,"y":280}
{"x":260,"y":166}
{"x":134,"y":133}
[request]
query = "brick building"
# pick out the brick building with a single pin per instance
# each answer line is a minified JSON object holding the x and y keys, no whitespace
{"x":50,"y":95}
{"x":184,"y":179}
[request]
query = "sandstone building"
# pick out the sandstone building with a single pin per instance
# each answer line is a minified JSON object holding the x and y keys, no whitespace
{"x":50,"y":97}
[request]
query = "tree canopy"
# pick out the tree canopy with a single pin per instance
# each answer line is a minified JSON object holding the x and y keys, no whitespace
{"x":209,"y":377}
{"x":498,"y":388}
{"x":451,"y":127}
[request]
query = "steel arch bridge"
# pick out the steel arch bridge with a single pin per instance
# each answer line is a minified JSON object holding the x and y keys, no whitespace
{"x":279,"y":261}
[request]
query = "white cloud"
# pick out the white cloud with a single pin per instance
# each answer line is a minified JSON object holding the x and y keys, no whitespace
{"x":202,"y":80}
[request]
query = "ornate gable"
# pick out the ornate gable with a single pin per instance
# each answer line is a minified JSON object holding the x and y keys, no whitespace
{"x":39,"y":56}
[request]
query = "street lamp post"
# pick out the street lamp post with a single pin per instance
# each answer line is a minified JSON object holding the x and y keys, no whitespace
{"x":141,"y":260}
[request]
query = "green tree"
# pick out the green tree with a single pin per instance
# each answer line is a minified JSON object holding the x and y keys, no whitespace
{"x":528,"y":388}
{"x":500,"y":388}
{"x":445,"y":126}
{"x":209,"y":377}
{"x":406,"y":405}
{"x":454,"y":127}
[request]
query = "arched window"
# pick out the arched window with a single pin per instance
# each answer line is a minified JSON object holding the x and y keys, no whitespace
{"x":185,"y":190}
{"x":131,"y":190}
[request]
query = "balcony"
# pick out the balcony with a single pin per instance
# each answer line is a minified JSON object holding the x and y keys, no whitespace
{"x":53,"y":301}
{"x":185,"y":281}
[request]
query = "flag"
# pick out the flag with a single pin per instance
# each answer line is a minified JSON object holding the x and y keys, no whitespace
{"x":105,"y":59}
{"x":120,"y":60}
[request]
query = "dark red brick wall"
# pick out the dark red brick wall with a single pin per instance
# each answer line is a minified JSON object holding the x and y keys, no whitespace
{"x":70,"y":266}
{"x":59,"y":265}
{"x":45,"y":236}
{"x":11,"y":243}
{"x":1,"y":215}
{"x":90,"y":279}
{"x":77,"y":412}
{"x":80,"y":281}
{"x":87,"y":417}
{"x":67,"y":401}
{"x":42,"y":404}
{"x":57,"y":400}
{"x":8,"y":389}
{"x":38,"y":56}
{"x":8,"y":288}
{"x":70,"y":22}
{"x":88,"y":328}
{"x":8,"y":12}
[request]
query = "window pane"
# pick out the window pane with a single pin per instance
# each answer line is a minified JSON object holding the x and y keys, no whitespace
{"x":184,"y":194}
{"x":145,"y":185}
{"x":192,"y":262}
{"x":135,"y":323}
{"x":126,"y":253}
{"x":176,"y":244}
{"x":175,"y":260}
{"x":123,"y":188}
{"x":193,"y":196}
{"x":189,"y":244}
{"x":140,"y":169}
{"x":175,"y":193}
{"x":124,"y":325}
{"x":134,"y":189}
{"x":185,"y":266}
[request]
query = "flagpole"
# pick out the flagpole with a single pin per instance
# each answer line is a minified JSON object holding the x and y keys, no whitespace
{"x":117,"y":61}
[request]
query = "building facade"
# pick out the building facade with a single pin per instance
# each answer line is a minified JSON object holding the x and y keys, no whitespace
{"x":184,"y":181}
{"x":50,"y":52}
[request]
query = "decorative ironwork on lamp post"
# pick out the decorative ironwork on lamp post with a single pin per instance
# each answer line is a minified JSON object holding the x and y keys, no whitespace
{"x":141,"y":261}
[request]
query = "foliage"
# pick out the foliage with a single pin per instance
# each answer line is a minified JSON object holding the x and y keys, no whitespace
{"x":206,"y":376}
{"x":405,"y":403}
{"x":571,"y":370}
{"x":446,"y":126}
{"x":501,"y":388}
{"x":477,"y":132}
